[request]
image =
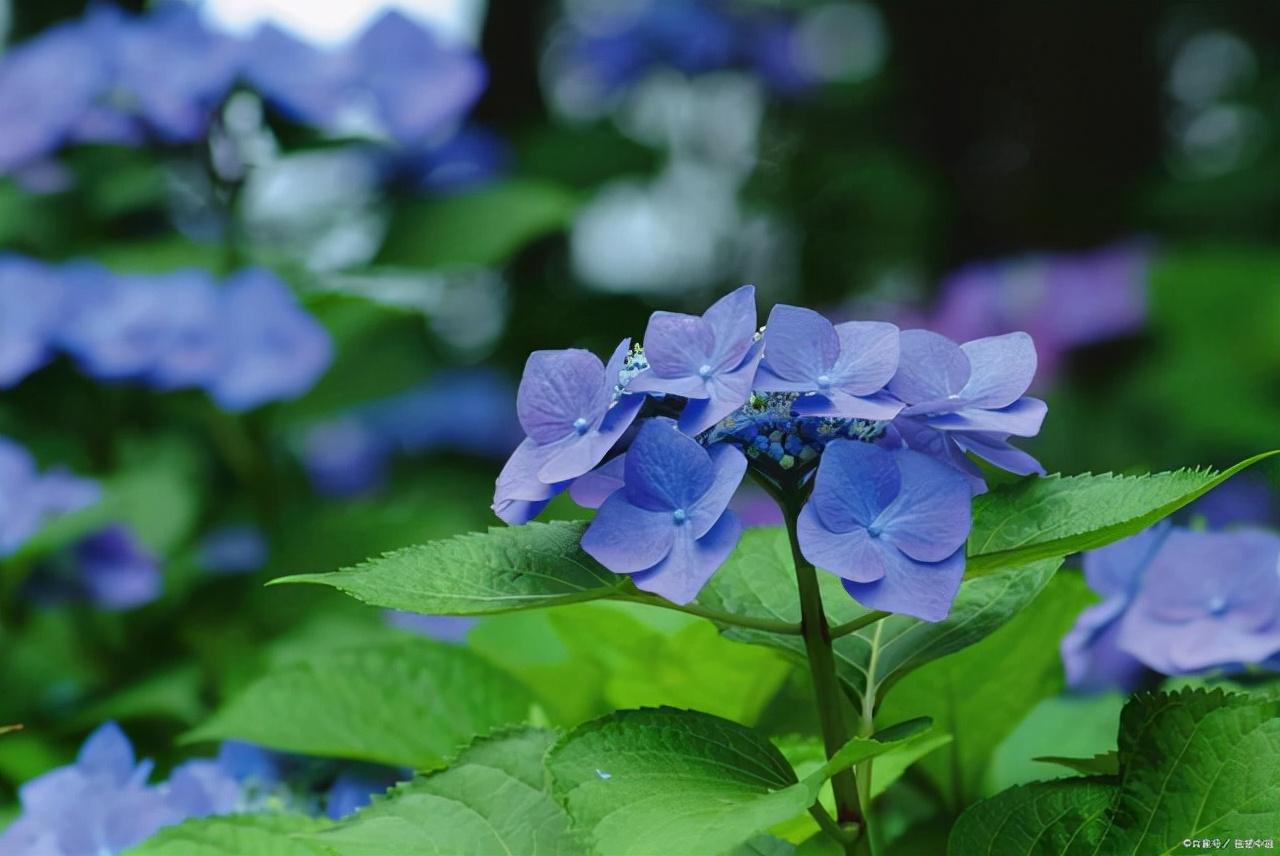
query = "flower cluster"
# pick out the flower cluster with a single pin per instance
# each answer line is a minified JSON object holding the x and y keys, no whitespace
{"x":29,"y":498}
{"x":861,"y":429}
{"x":103,"y":803}
{"x":246,"y":342}
{"x":1178,"y":601}
{"x":115,"y":78}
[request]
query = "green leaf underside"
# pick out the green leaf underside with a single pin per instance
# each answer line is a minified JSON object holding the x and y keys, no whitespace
{"x":516,"y":567}
{"x":1042,"y":518}
{"x":255,"y":834}
{"x":980,"y":694}
{"x":1193,"y":764}
{"x":494,"y":798}
{"x":758,"y":580}
{"x":681,"y":782}
{"x":408,"y":702}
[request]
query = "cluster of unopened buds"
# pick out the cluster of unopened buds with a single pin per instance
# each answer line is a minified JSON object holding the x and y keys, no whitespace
{"x":863,"y":433}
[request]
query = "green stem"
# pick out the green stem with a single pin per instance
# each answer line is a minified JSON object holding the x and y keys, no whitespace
{"x":857,"y":624}
{"x":866,"y":728}
{"x":822,"y":669}
{"x":765,"y":624}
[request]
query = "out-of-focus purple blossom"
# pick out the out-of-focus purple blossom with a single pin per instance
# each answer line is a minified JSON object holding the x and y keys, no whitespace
{"x":29,"y":499}
{"x":968,"y":398}
{"x":1063,"y":301}
{"x":233,"y":549}
{"x":1245,"y":499}
{"x":892,"y":525}
{"x":669,"y":526}
{"x":574,"y":409}
{"x":1091,"y":655}
{"x":469,"y":158}
{"x":709,"y":359}
{"x":275,"y":350}
{"x":396,"y":80}
{"x":446,"y":628}
{"x":116,"y":571}
{"x":31,"y":307}
{"x":1208,"y":600}
{"x":100,"y":804}
{"x":465,"y":411}
{"x":839,"y":370}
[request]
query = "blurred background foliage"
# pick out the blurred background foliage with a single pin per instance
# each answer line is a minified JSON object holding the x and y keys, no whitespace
{"x":1106,"y":176}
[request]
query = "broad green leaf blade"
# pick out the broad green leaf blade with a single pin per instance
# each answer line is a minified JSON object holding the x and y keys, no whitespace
{"x":408,"y":702}
{"x":673,"y":782}
{"x":494,"y":798}
{"x":681,"y":782}
{"x":1060,"y":818}
{"x":256,"y":834}
{"x":758,"y":580}
{"x":1066,"y":724}
{"x":516,"y":567}
{"x":980,"y":694}
{"x":1103,"y":764}
{"x":1045,"y":518}
{"x":482,"y":227}
{"x":1195,"y":764}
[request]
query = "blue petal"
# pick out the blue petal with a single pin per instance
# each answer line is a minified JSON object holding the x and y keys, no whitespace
{"x":799,"y":344}
{"x":626,"y":539}
{"x":692,"y":561}
{"x":921,"y":589}
{"x":666,"y":469}
{"x":930,"y":367}
{"x":559,"y":388}
{"x":1001,"y":369}
{"x":929,"y":518}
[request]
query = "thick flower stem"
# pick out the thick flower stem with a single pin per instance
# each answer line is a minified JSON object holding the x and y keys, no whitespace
{"x":822,"y":668}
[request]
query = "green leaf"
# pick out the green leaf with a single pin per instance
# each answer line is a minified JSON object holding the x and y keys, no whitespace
{"x":980,"y":694}
{"x":515,"y":567}
{"x":681,"y":782}
{"x":1192,"y":764}
{"x":249,"y":834}
{"x":1061,"y":818}
{"x":1067,"y":724}
{"x":408,"y":702}
{"x":1102,"y":764}
{"x":758,"y":581}
{"x":483,"y":227}
{"x":494,"y":798}
{"x":1045,"y":518}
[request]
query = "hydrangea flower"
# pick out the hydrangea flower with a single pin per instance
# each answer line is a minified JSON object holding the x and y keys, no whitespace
{"x":891,"y":525}
{"x":840,"y":370}
{"x":709,"y":359}
{"x":669,"y":526}
{"x":968,"y":398}
{"x":31,"y":307}
{"x":1091,"y":654}
{"x":445,"y":628}
{"x":237,"y":548}
{"x":29,"y":499}
{"x":275,"y":350}
{"x":116,"y":571}
{"x":573,"y":409}
{"x":1208,"y":599}
{"x":636,"y":440}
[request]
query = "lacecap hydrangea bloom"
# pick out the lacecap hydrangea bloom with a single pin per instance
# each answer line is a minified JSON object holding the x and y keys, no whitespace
{"x":860,"y":429}
{"x":1179,"y":602}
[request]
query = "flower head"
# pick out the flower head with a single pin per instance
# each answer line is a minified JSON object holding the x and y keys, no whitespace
{"x":669,"y":525}
{"x":1208,"y":599}
{"x":29,"y":499}
{"x":709,"y":359}
{"x":115,"y":570}
{"x":31,"y":306}
{"x":968,"y":398}
{"x":891,"y":524}
{"x":573,"y":411}
{"x":841,"y":370}
{"x":1091,"y":654}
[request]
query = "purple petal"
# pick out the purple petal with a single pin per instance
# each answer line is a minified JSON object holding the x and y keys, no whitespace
{"x":519,"y":495}
{"x":666,"y":469}
{"x":202,"y":788}
{"x":799,"y":345}
{"x":854,"y":483}
{"x":924,"y":590}
{"x":107,"y":752}
{"x":626,"y":539}
{"x":678,"y":345}
{"x":930,"y":367}
{"x":995,"y":449}
{"x":929,"y":519}
{"x":1091,"y":656}
{"x":1023,"y":418}
{"x":878,"y":407}
{"x":868,"y":356}
{"x":592,"y":489}
{"x":729,"y":466}
{"x":732,"y":319}
{"x":851,"y":555}
{"x":682,"y":574}
{"x":559,"y":388}
{"x":1001,"y":369}
{"x":729,"y":391}
{"x":940,"y":446}
{"x":1117,"y":569}
{"x":578,"y":455}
